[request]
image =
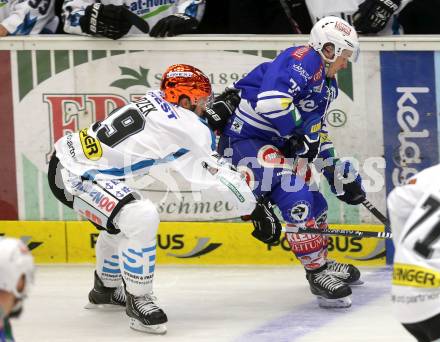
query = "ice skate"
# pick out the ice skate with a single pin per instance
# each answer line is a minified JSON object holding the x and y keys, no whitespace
{"x":107,"y":298}
{"x":145,"y":315}
{"x":330,"y":290}
{"x":348,"y":273}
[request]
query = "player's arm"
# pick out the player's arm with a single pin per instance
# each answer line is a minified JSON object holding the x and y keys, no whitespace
{"x":280,"y":85}
{"x":344,"y":180}
{"x":186,"y":20}
{"x":27,"y":17}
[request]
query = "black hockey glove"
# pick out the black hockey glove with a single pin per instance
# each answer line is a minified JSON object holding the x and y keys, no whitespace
{"x":302,"y":147}
{"x":267,"y":227}
{"x":174,"y":25}
{"x":373,"y":15}
{"x":110,"y":21}
{"x":221,"y":109}
{"x":345,"y":182}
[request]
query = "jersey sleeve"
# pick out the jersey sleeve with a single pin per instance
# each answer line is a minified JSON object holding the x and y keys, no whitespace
{"x":72,"y":11}
{"x":193,"y":8}
{"x":28,"y":17}
{"x":326,"y":150}
{"x":283,"y":80}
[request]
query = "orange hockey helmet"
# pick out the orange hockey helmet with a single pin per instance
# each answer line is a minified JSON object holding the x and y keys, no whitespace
{"x":185,"y":80}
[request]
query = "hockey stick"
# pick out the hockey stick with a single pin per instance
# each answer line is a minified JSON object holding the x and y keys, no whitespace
{"x":372,"y":209}
{"x":340,"y":232}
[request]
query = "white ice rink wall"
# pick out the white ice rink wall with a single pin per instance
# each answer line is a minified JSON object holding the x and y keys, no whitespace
{"x":385,"y":117}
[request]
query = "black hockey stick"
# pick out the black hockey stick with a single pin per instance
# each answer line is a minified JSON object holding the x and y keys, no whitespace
{"x":340,"y":232}
{"x":372,"y":209}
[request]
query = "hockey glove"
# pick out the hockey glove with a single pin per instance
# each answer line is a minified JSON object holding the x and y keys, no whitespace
{"x":302,"y":147}
{"x":174,"y":25}
{"x":373,"y":15}
{"x":345,"y":182}
{"x":222,"y":108}
{"x":267,"y":227}
{"x":110,"y":21}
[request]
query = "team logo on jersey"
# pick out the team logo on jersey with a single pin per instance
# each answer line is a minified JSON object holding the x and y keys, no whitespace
{"x":300,"y":211}
{"x":300,"y":52}
{"x":91,"y":147}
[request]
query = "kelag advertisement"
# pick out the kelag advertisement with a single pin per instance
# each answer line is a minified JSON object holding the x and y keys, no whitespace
{"x":409,"y":115}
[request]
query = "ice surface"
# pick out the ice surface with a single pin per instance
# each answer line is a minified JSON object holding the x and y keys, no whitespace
{"x":212,"y":304}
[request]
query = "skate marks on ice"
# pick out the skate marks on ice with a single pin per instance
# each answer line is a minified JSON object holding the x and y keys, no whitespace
{"x":369,"y":318}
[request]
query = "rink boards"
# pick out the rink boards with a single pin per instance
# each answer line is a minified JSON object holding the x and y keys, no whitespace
{"x":189,"y":243}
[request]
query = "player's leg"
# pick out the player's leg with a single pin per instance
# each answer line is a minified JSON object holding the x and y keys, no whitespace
{"x":138,"y":222}
{"x":297,"y":208}
{"x":348,"y":273}
{"x":113,"y":206}
{"x":108,"y":290}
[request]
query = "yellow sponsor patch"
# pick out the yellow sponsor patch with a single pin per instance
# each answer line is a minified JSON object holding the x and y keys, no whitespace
{"x":415,"y":276}
{"x":285,"y":103}
{"x":316,"y":128}
{"x":91,"y":147}
{"x":324,"y":138}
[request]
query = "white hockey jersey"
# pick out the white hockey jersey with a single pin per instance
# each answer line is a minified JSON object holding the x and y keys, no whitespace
{"x":135,"y":138}
{"x":345,"y":10}
{"x":28,"y":17}
{"x":149,"y":10}
{"x":414,"y":210}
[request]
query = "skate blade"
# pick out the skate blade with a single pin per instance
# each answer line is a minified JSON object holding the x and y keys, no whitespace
{"x":339,"y":303}
{"x":104,"y":307}
{"x":158,"y":329}
{"x":356,"y":283}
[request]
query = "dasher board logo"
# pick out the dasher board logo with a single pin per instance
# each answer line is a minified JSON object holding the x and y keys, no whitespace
{"x":409,"y":114}
{"x":27,"y":240}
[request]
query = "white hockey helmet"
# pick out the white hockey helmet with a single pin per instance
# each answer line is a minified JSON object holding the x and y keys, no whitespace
{"x":15,"y":260}
{"x":338,"y":32}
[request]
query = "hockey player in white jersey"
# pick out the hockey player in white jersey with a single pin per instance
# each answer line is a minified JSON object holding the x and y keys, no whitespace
{"x":116,"y":18}
{"x":414,"y":210}
{"x":18,"y":18}
{"x":87,"y":173}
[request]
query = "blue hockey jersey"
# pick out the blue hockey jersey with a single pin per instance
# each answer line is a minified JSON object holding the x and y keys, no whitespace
{"x":282,"y":98}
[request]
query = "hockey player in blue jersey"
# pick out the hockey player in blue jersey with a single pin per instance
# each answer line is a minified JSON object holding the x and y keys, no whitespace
{"x":281,"y":118}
